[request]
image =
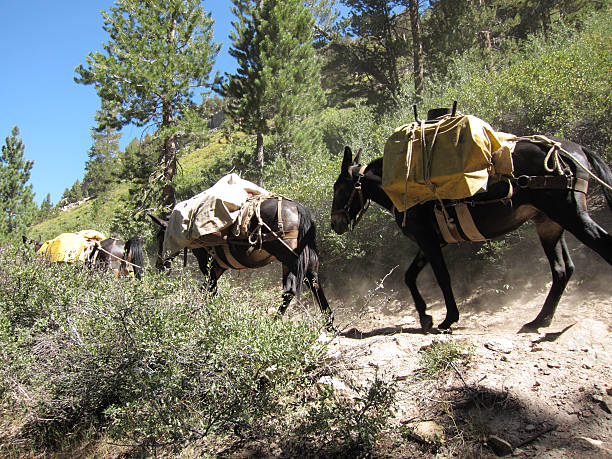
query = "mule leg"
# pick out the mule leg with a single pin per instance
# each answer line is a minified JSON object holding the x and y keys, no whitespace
{"x":432,"y":250}
{"x":410,"y":278}
{"x":561,"y":266}
{"x":203,"y":258}
{"x":289,"y":288}
{"x":215,"y":273}
{"x":313,"y":282}
{"x":575,"y":218}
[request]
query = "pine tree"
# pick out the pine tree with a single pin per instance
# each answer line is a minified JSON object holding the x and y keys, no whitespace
{"x":72,"y":194}
{"x":101,"y":166}
{"x":159,"y":51}
{"x":16,"y":198}
{"x":277,"y":84}
{"x":45,"y":211}
{"x":377,"y":48}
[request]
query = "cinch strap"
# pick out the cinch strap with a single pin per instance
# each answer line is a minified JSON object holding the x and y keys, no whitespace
{"x":449,"y":230}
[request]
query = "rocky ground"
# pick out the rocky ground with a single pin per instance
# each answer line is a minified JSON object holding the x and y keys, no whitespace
{"x":545,"y":394}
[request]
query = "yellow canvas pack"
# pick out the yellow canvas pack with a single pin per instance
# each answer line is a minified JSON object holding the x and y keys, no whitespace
{"x":458,"y":165}
{"x":70,"y":247}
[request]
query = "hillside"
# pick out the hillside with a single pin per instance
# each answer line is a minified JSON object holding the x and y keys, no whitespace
{"x":97,"y":213}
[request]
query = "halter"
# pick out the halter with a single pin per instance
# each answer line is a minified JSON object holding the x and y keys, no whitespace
{"x":363,"y":203}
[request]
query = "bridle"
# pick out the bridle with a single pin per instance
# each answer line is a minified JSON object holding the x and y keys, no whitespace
{"x":356,"y":191}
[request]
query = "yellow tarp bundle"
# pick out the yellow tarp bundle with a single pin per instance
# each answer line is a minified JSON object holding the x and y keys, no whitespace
{"x":455,"y":163}
{"x":70,"y":247}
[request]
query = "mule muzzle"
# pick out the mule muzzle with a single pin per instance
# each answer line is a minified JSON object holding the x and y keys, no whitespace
{"x":339,"y":222}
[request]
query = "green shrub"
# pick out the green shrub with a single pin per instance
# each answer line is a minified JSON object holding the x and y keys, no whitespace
{"x":555,"y":85}
{"x":351,"y":428}
{"x":441,"y":356}
{"x":148,"y":362}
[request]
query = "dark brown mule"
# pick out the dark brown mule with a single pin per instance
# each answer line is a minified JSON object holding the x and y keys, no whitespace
{"x":121,"y":257}
{"x":295,"y":248}
{"x":36,"y":243}
{"x":551,"y":210}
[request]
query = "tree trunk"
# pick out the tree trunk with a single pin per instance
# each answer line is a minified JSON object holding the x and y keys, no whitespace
{"x":417,"y":49}
{"x":168,"y":161}
{"x":168,"y":196}
{"x":259,"y":150}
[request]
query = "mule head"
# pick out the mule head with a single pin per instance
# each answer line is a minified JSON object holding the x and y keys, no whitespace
{"x":162,"y":225}
{"x":36,"y":243}
{"x":348,"y":201}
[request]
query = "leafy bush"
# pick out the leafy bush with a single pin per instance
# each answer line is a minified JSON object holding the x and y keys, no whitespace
{"x":441,"y":356}
{"x":555,"y":85}
{"x":352,"y":429}
{"x":147,"y":362}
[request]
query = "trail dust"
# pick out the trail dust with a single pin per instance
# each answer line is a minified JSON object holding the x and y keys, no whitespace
{"x":545,"y":394}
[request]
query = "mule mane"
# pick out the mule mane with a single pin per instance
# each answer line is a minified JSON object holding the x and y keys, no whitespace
{"x":376,"y":167}
{"x":374,"y":172}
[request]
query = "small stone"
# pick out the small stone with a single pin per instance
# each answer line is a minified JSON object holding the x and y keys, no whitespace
{"x":529,"y":428}
{"x":499,"y":446}
{"x":429,"y":432}
{"x":504,"y":346}
{"x":553,"y":365}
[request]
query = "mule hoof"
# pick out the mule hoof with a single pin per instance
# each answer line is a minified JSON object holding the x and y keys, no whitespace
{"x":426,"y":323}
{"x":534,"y":325}
{"x":446,"y":325}
{"x":531,"y":327}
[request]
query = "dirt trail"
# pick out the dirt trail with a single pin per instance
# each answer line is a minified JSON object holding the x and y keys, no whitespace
{"x":547,"y":394}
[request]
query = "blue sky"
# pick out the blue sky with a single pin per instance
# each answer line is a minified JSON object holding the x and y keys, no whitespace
{"x":41,"y":42}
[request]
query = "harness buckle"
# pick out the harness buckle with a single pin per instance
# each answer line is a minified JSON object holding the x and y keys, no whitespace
{"x":523,"y":181}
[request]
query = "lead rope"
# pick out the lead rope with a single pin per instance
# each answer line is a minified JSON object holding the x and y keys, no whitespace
{"x":119,"y":258}
{"x":260,"y":224}
{"x":555,"y":148}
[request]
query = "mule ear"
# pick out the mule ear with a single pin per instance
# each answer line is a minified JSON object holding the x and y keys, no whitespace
{"x":357,"y":158}
{"x":347,"y":161}
{"x":158,"y":221}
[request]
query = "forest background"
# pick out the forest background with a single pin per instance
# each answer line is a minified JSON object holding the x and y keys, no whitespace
{"x":309,"y":82}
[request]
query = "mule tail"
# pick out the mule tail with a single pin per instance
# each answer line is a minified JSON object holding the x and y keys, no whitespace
{"x":603,"y":172}
{"x":133,"y":254}
{"x":308,"y":256}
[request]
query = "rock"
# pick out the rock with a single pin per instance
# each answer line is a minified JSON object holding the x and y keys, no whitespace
{"x":499,"y":446}
{"x":329,"y":382}
{"x":598,"y":445}
{"x":502,"y":345}
{"x":529,"y":428}
{"x":429,"y":432}
{"x":604,"y":401}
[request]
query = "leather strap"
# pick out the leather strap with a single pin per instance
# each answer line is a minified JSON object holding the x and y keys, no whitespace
{"x":467,"y":223}
{"x":444,"y":227}
{"x":553,"y":182}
